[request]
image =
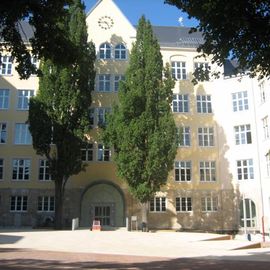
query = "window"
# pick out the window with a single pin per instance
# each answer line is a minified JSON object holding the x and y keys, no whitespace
{"x":179,"y":70}
{"x":46,"y":203}
{"x":120,"y":52}
{"x":242,"y":134}
{"x":104,"y":83}
{"x":101,"y":115}
{"x":18,"y":203}
{"x":3,"y":133}
{"x":34,"y":61}
{"x":92,"y":117}
{"x":183,"y":204}
{"x":206,"y":136}
{"x":183,"y":136}
{"x":245,"y":169}
{"x":44,"y":174}
{"x":247,"y":213}
{"x":105,"y":51}
{"x":6,"y":65}
{"x":262,"y":92}
{"x":180,"y":103}
{"x":158,"y":204}
{"x":87,"y":152}
{"x":22,"y":134}
{"x":103,"y":153}
{"x":21,"y":169}
{"x":4,"y":99}
{"x":265,"y":127}
{"x":204,"y":104}
{"x":182,"y":170}
{"x":1,"y":169}
{"x":117,"y":79}
{"x":209,"y":204}
{"x":24,"y":98}
{"x":240,"y":101}
{"x":207,"y":171}
{"x":267,"y":156}
{"x":202,"y":65}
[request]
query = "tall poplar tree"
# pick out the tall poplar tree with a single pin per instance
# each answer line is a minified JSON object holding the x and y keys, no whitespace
{"x":141,"y":127}
{"x":58,"y":114}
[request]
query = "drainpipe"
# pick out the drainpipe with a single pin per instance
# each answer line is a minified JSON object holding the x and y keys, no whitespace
{"x":258,"y":156}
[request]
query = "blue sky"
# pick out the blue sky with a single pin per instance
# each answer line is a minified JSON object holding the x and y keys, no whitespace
{"x":154,"y":10}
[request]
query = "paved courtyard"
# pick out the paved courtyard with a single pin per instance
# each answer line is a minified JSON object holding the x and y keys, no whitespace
{"x":83,"y":249}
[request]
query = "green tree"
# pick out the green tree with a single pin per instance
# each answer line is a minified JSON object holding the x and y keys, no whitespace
{"x":48,"y":39}
{"x":58,"y":115}
{"x":141,"y":127}
{"x":233,"y":29}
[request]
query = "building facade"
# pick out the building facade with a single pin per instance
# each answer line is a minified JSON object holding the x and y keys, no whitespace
{"x":221,"y":175}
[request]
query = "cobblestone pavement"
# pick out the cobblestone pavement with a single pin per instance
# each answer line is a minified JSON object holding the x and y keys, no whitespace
{"x":23,"y":259}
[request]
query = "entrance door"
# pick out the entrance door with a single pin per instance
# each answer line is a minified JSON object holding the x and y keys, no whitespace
{"x":103,"y":214}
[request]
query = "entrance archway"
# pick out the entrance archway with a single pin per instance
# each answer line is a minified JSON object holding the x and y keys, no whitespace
{"x":103,"y":201}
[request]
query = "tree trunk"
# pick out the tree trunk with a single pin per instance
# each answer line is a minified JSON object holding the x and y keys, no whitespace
{"x":144,"y":216}
{"x":59,"y":197}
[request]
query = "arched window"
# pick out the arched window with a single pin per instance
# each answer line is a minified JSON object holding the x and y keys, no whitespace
{"x":247,"y":213}
{"x":120,"y":52}
{"x":105,"y":51}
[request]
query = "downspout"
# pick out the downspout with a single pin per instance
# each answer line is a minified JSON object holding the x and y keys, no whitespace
{"x":258,"y":157}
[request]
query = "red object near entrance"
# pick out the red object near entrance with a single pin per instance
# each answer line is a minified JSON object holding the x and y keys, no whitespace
{"x":96,"y":225}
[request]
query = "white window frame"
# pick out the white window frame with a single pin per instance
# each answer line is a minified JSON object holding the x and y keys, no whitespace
{"x":105,"y":51}
{"x":265,"y":127}
{"x":4,"y":99}
{"x":18,"y":203}
{"x":3,"y":132}
{"x":21,"y":169}
{"x":206,"y":137}
{"x":182,"y":171}
{"x":184,"y":136}
{"x":262,"y":92}
{"x":43,"y":170}
{"x":240,"y":101}
{"x":24,"y":99}
{"x":104,"y":83}
{"x":248,"y":220}
{"x":6,"y":65}
{"x":245,"y":169}
{"x":46,"y":204}
{"x":103,"y":153}
{"x":204,"y":65}
{"x":267,"y":157}
{"x":179,"y":71}
{"x":243,"y":134}
{"x":22,"y":134}
{"x":88,"y":152}
{"x":117,"y":79}
{"x":120,"y":52}
{"x":204,"y":104}
{"x":183,"y":204}
{"x":101,"y":115}
{"x":180,"y":103}
{"x":209,"y":204}
{"x":158,"y":204}
{"x":207,"y":171}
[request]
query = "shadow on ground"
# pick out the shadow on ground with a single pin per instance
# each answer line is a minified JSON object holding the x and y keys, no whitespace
{"x":12,"y":259}
{"x":9,"y":239}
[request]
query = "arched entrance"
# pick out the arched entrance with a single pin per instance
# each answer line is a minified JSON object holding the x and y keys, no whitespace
{"x":103,"y":201}
{"x":248,"y":214}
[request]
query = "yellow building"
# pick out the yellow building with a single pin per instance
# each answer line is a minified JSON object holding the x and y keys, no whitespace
{"x":202,"y":192}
